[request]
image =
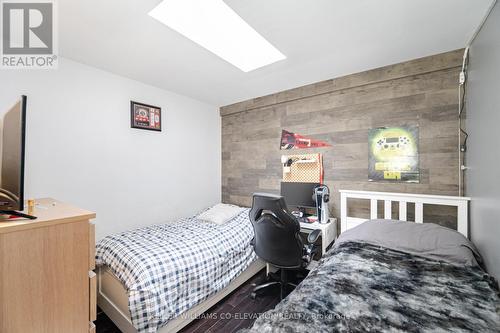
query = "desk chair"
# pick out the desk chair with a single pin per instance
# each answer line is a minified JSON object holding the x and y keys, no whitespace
{"x":277,"y":239}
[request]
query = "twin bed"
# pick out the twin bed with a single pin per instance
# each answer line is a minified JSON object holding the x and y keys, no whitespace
{"x":160,"y":278}
{"x":371,"y":281}
{"x":383,"y":275}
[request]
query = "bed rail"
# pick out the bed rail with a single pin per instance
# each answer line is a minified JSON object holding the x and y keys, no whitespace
{"x":348,"y":222}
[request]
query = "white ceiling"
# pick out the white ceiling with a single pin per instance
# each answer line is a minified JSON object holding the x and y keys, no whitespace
{"x":322,"y":39}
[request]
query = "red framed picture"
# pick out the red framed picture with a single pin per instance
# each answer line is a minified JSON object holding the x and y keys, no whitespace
{"x":144,"y":116}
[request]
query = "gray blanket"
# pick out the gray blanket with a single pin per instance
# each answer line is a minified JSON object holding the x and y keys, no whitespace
{"x":364,"y":287}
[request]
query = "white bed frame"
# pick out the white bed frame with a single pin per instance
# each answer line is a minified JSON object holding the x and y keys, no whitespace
{"x":112,"y":298}
{"x":348,"y":222}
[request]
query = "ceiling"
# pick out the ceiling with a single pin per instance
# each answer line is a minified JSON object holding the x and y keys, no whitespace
{"x":322,"y":39}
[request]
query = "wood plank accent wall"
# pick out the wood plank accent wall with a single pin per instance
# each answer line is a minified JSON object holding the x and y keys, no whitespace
{"x":420,"y":92}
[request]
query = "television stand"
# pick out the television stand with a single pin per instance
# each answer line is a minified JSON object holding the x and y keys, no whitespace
{"x":17,"y":214}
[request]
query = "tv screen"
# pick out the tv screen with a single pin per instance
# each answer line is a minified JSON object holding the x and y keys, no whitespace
{"x":12,"y":141}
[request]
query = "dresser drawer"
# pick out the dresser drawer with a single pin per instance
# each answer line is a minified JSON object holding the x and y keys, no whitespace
{"x":43,"y":268}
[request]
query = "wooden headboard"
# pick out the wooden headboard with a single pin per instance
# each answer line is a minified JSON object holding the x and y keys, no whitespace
{"x":348,"y":222}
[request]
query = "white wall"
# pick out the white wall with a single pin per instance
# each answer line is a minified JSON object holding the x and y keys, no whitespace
{"x":81,"y":149}
{"x":483,"y":155}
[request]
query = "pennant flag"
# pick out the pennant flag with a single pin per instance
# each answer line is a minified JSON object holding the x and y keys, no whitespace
{"x":291,"y":140}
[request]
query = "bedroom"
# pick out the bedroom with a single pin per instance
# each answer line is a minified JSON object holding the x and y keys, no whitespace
{"x":148,"y":121}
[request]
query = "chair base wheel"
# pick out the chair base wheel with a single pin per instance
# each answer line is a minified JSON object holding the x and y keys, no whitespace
{"x":253,"y":295}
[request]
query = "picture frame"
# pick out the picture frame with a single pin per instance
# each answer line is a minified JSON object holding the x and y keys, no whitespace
{"x":145,"y":116}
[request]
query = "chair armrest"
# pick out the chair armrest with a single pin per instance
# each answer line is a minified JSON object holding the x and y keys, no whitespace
{"x":313,"y":236}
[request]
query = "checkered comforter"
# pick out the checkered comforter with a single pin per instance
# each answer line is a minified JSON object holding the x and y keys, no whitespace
{"x":169,"y":268}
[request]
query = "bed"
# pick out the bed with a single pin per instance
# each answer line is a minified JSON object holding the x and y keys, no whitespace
{"x":161,"y":277}
{"x":392,"y":276}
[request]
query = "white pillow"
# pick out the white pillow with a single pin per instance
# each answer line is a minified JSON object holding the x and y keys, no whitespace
{"x":220,"y":213}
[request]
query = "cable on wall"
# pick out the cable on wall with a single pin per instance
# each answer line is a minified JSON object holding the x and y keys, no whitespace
{"x":462,"y":135}
{"x":462,"y":91}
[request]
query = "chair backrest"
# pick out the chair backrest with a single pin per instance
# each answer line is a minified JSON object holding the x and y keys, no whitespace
{"x":277,"y":232}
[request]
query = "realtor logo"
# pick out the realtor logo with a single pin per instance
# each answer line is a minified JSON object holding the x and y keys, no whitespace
{"x":28,"y":34}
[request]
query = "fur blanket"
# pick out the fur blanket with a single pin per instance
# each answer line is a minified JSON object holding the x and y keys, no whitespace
{"x":360,"y":287}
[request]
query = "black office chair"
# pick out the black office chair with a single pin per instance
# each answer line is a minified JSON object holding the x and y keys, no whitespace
{"x":277,"y":239}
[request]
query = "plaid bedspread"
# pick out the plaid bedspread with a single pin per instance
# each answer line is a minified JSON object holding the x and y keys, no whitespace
{"x":169,"y":268}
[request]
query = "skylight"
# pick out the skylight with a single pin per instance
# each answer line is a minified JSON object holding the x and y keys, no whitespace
{"x":215,"y":26}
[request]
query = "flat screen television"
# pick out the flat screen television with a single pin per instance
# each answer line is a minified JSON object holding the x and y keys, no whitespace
{"x":12,"y":147}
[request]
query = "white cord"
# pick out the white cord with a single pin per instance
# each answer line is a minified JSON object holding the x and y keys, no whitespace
{"x":461,"y":147}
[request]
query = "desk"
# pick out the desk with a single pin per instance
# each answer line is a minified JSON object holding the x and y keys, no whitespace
{"x":328,"y":231}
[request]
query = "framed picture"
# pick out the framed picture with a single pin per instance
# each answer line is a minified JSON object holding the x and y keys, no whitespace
{"x":145,"y":116}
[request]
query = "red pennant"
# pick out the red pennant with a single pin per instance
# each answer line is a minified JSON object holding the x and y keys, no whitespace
{"x":291,"y":140}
